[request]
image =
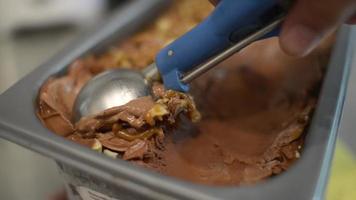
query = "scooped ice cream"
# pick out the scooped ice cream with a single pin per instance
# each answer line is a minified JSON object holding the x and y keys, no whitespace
{"x":253,"y":109}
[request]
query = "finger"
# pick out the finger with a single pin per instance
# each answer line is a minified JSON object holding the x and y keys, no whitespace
{"x":309,"y":21}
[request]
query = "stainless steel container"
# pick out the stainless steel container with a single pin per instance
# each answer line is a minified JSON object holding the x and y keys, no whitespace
{"x":90,"y":175}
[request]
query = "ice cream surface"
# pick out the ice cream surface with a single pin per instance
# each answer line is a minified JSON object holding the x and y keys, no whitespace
{"x":241,"y":123}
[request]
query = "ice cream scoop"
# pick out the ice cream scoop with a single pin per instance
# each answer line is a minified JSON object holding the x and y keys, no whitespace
{"x":231,"y":26}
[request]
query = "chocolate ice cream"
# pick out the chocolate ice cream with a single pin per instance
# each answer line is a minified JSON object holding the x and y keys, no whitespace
{"x":255,"y":108}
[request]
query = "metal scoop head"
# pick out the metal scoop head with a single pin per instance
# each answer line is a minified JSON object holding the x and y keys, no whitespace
{"x":109,"y":89}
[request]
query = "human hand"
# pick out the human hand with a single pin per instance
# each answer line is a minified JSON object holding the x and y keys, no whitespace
{"x":310,"y":21}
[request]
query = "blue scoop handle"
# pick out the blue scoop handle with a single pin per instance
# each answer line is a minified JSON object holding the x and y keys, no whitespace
{"x":231,"y":21}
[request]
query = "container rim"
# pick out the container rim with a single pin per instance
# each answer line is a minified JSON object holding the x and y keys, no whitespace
{"x":306,"y":179}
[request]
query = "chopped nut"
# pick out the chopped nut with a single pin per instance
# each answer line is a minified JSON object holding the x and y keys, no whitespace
{"x":110,"y":153}
{"x":297,"y":154}
{"x":195,"y":116}
{"x":164,"y":24}
{"x":157,"y":111}
{"x":97,"y":146}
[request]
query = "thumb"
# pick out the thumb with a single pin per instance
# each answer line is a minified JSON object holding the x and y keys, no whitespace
{"x":309,"y":21}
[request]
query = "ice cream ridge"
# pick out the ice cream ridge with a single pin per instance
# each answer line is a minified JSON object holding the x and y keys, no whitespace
{"x":242,"y":122}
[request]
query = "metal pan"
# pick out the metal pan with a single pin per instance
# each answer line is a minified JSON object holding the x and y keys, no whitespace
{"x":91,"y":175}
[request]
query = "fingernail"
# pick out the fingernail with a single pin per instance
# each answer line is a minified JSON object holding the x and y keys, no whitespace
{"x":300,"y":40}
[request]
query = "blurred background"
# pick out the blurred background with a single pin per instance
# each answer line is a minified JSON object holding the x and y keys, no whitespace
{"x":31,"y":31}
